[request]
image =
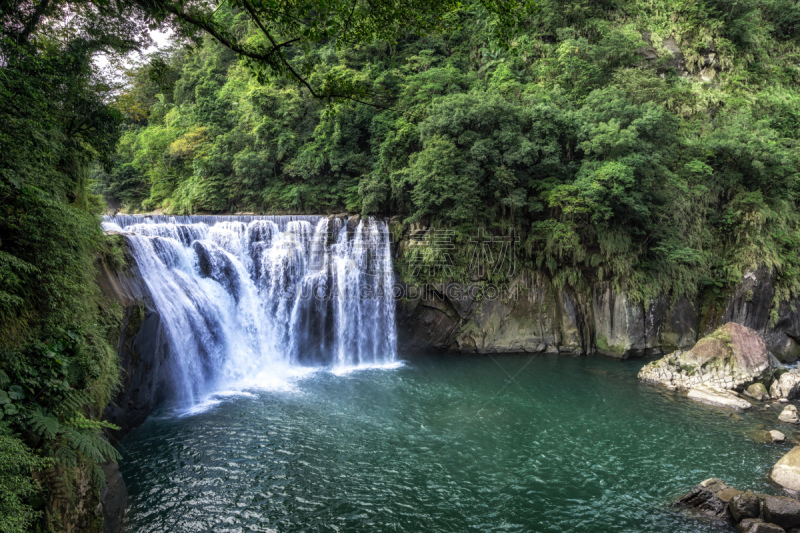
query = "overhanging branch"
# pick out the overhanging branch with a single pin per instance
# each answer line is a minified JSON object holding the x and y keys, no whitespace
{"x":273,"y":54}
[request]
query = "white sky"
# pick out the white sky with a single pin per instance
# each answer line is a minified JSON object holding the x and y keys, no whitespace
{"x":161,"y":39}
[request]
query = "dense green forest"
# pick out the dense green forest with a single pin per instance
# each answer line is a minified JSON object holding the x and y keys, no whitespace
{"x":57,"y":365}
{"x":653,"y":143}
{"x":650,"y":142}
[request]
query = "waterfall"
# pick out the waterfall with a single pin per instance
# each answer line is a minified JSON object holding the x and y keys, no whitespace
{"x":248,"y":296}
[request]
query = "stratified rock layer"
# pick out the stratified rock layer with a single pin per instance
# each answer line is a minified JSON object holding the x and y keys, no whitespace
{"x":720,"y":398}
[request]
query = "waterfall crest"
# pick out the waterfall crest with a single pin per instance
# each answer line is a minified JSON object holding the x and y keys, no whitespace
{"x":242,"y":296}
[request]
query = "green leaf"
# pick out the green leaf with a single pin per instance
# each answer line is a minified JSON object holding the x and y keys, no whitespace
{"x":16,"y":393}
{"x":44,"y":424}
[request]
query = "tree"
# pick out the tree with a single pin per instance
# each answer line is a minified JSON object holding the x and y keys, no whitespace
{"x":287,"y":29}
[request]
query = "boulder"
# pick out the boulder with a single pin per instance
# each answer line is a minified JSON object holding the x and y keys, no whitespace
{"x":745,"y":505}
{"x":731,"y":357}
{"x":757,"y":391}
{"x":777,"y":436}
{"x":710,"y":497}
{"x":789,"y":415}
{"x":766,"y":528}
{"x":786,"y":386}
{"x":754,"y":525}
{"x":786,"y":471}
{"x":782,"y":511}
{"x":718,"y":397}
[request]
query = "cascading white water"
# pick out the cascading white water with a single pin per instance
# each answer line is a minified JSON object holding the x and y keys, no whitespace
{"x":245,"y":296}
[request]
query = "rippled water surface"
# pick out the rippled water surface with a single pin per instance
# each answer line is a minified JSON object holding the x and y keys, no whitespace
{"x":443,"y":444}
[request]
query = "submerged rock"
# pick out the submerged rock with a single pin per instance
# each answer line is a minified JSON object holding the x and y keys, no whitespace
{"x":731,"y":357}
{"x":760,"y":435}
{"x":718,"y":397}
{"x":786,"y":471}
{"x":789,"y":415}
{"x":786,"y":386}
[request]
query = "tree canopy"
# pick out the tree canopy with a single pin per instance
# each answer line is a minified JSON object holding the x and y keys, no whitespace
{"x":654,"y":145}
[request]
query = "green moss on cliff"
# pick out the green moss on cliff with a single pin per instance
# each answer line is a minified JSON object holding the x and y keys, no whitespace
{"x":602,"y":343}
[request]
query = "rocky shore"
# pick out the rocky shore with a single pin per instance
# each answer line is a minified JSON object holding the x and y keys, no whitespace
{"x":733,"y":368}
{"x":750,"y":512}
{"x":730,"y":367}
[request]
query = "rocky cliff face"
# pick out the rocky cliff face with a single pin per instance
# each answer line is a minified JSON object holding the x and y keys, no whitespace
{"x":531,"y":315}
{"x":142,"y":347}
{"x":142,"y":350}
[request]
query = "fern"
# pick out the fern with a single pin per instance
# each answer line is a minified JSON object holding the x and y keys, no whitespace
{"x":43,"y":424}
{"x":58,"y":483}
{"x":108,"y":451}
{"x":91,"y":444}
{"x":97,"y":475}
{"x":66,"y":456}
{"x":77,"y":435}
{"x":83,"y":443}
{"x":81,"y":422}
{"x":75,"y":401}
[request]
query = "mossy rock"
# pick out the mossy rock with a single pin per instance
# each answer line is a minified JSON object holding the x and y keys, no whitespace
{"x":602,"y":343}
{"x":757,"y":391}
{"x":733,"y":344}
